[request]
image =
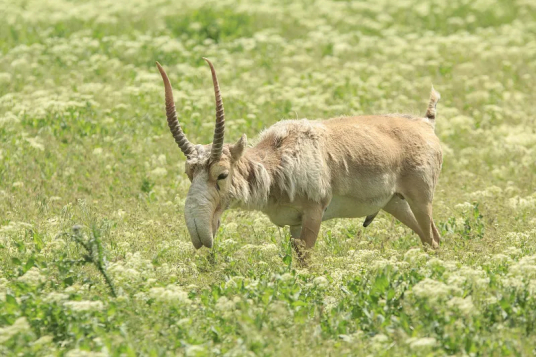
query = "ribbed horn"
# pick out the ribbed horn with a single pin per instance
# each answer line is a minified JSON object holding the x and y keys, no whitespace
{"x":219,"y":130}
{"x":180,"y":138}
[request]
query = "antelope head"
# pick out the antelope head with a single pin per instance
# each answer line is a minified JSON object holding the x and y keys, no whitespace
{"x":209,"y":168}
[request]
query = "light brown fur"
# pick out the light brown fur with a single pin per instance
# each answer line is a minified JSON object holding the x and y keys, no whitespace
{"x":302,"y":172}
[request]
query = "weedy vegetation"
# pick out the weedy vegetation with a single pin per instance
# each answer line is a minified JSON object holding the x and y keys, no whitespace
{"x":84,"y":143}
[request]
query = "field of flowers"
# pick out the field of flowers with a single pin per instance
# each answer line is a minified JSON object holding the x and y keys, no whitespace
{"x":95,"y":258}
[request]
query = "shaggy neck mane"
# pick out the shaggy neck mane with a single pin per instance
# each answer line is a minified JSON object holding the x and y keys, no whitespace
{"x":289,"y":161}
{"x":252,"y":180}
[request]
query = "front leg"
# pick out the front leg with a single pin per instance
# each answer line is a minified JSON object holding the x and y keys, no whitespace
{"x":308,"y":231}
{"x":311,"y":221}
{"x":295,"y":232}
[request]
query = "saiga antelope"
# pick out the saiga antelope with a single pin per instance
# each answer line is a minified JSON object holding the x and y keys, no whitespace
{"x":303,"y":172}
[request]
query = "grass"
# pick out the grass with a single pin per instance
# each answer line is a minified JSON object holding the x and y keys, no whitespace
{"x":84,"y":144}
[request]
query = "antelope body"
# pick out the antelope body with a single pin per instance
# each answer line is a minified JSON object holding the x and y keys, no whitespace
{"x":303,"y":172}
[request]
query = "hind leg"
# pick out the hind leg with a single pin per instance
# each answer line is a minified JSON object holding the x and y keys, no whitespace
{"x":417,"y":188}
{"x":423,"y":214}
{"x":435,"y":231}
{"x":419,"y":197}
{"x":399,"y":208}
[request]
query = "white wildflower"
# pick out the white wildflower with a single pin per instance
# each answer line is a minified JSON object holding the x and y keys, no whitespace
{"x":475,"y":276}
{"x":9,"y":118}
{"x":32,"y":277}
{"x":162,"y":159}
{"x":56,"y":297}
{"x":224,"y":304}
{"x":491,"y":300}
{"x":330,"y":302}
{"x":124,"y":273}
{"x":85,"y":305}
{"x":456,"y":280}
{"x":337,"y":275}
{"x":36,"y":143}
{"x":364,"y":256}
{"x":278,"y":310}
{"x":234,"y":282}
{"x":286,"y":277}
{"x":171,"y":294}
{"x":5,"y":77}
{"x":489,"y":192}
{"x":424,"y":342}
{"x":321,"y":282}
{"x":500,"y":259}
{"x":20,"y":63}
{"x":513,"y":251}
{"x":531,"y":288}
{"x":460,"y":221}
{"x":141,"y":296}
{"x":513,"y":282}
{"x":69,"y":171}
{"x":465,"y":306}
{"x":231,"y":227}
{"x":380,"y":264}
{"x":81,"y":353}
{"x":43,"y":340}
{"x":522,"y":202}
{"x":196,"y":350}
{"x":123,"y":246}
{"x":352,"y":337}
{"x":269,"y":248}
{"x":14,"y":226}
{"x":159,"y":172}
{"x":20,"y":326}
{"x":415,"y":256}
{"x":433,"y":290}
{"x":525,"y":268}
{"x":464,"y":207}
{"x":227,"y":243}
{"x":518,"y":237}
{"x":379,"y":340}
{"x":185,"y":322}
{"x":54,"y":245}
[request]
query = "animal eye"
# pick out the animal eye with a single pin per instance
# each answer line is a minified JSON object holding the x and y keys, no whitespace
{"x":223,"y":176}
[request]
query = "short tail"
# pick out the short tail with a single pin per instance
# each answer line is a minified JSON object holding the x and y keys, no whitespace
{"x":431,"y":111}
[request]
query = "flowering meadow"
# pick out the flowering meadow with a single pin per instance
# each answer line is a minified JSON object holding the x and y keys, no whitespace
{"x":95,"y":257}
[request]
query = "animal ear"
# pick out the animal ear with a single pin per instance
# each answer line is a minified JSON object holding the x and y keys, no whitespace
{"x":238,"y":149}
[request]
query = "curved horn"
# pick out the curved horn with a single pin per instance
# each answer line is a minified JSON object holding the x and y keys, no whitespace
{"x":180,"y":138}
{"x":219,"y":130}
